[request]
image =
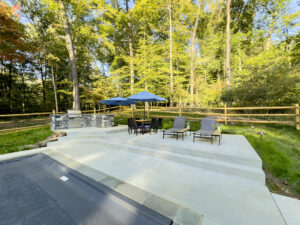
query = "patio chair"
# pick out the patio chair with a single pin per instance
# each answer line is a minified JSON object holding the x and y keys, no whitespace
{"x":159,"y":123}
{"x":207,"y":129}
{"x":129,"y":122}
{"x":152,"y":126}
{"x":132,"y":125}
{"x":179,"y":124}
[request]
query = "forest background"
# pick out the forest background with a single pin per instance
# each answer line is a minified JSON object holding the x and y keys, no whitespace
{"x":62,"y":54}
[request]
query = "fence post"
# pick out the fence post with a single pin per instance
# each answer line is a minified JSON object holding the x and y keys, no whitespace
{"x":179,"y":109}
{"x":297,"y":117}
{"x":225,"y":114}
{"x":94,"y":111}
{"x":132,"y":110}
{"x":53,"y":112}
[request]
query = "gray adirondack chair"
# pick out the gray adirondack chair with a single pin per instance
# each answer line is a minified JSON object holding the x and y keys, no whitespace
{"x":179,"y":124}
{"x":207,"y":129}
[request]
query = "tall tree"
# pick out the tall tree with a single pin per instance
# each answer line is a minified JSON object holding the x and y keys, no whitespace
{"x":70,"y":47}
{"x":167,"y":47}
{"x":228,"y":43}
{"x":12,"y":44}
{"x":193,"y":51}
{"x":273,"y":10}
{"x":171,"y":54}
{"x":130,"y":49}
{"x":52,"y":60}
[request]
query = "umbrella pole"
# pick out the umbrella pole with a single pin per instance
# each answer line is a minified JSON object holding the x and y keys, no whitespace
{"x":145,"y":111}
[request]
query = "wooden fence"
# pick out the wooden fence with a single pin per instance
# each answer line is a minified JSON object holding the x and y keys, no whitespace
{"x":285,"y":115}
{"x":8,"y":126}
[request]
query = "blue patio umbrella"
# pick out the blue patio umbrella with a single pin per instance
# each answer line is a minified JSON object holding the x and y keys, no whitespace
{"x":117,"y":101}
{"x":145,"y":96}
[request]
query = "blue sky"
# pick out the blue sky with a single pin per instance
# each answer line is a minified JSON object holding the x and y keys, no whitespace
{"x":294,"y":7}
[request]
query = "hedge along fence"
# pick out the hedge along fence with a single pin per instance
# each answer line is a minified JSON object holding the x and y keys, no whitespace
{"x":285,"y":115}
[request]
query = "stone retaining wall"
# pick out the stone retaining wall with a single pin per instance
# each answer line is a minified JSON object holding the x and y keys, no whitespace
{"x":64,"y":121}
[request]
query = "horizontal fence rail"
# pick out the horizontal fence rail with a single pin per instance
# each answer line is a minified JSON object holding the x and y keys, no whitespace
{"x":18,"y":122}
{"x":229,"y":114}
{"x":5,"y":131}
{"x":284,"y":115}
{"x":25,"y":114}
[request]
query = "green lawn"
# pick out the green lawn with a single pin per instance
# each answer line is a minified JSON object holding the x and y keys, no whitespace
{"x":13,"y":142}
{"x":279,"y":151}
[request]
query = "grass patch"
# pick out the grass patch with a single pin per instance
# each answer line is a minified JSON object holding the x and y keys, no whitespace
{"x":279,"y":151}
{"x":13,"y":142}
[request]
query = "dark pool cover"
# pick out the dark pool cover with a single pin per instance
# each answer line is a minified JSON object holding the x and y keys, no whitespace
{"x":31,"y":193}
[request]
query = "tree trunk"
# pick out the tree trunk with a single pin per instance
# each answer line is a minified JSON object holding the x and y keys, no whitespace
{"x":192,"y":76}
{"x":130,"y":51}
{"x":270,"y":32}
{"x":171,"y":57}
{"x":269,"y":38}
{"x":54,"y":88}
{"x":43,"y":87}
{"x":10,"y":86}
{"x":70,"y":47}
{"x":271,"y":29}
{"x":69,"y":101}
{"x":228,"y":43}
{"x":240,"y":59}
{"x":24,"y":91}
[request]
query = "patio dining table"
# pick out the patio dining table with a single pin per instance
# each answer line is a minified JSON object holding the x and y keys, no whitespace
{"x":144,"y":122}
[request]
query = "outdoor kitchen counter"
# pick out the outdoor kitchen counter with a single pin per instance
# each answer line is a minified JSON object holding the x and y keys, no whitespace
{"x":67,"y":121}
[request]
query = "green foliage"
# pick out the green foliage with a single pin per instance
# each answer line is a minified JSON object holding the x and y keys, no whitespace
{"x":264,"y":52}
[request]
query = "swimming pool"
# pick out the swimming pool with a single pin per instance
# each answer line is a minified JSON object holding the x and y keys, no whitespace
{"x":40,"y":190}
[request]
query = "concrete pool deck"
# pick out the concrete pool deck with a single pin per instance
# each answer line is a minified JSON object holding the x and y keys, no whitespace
{"x":192,"y":183}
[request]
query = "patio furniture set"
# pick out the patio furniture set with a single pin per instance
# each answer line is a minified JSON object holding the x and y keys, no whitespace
{"x":144,"y":126}
{"x":134,"y":125}
{"x":207,"y":129}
